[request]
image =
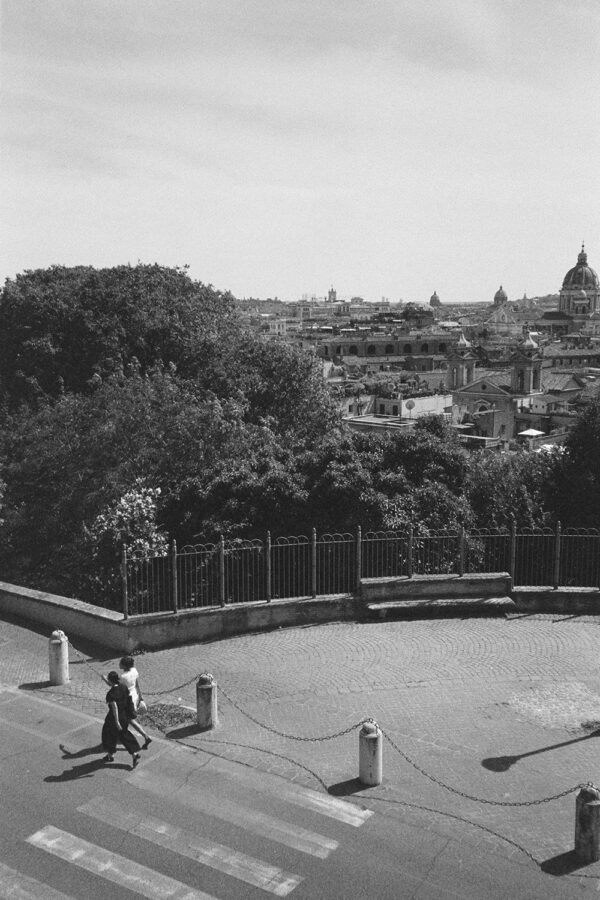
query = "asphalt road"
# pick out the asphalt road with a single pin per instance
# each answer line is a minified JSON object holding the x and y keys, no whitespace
{"x":188,"y":825}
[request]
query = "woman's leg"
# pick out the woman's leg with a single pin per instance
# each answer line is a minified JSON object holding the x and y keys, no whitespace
{"x":137,"y":727}
{"x":109,"y":737}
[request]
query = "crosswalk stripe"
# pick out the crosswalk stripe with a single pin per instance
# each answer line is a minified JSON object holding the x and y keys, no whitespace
{"x":324,"y":804}
{"x":113,"y":867}
{"x":16,"y":886}
{"x":195,"y":795}
{"x":209,"y":853}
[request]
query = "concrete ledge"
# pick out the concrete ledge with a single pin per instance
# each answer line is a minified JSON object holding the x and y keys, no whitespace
{"x":378,"y":590}
{"x":575,"y":601}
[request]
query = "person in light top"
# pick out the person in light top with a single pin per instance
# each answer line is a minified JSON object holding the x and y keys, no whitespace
{"x":131,"y":679}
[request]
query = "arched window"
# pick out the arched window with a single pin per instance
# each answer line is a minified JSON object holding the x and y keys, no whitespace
{"x":408,"y":348}
{"x":442,"y":348}
{"x":352,"y":350}
{"x":371,"y":350}
{"x":389,"y":349}
{"x":424,"y":348}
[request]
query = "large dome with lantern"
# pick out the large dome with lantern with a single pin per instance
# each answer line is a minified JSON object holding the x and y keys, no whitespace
{"x":581,"y":275}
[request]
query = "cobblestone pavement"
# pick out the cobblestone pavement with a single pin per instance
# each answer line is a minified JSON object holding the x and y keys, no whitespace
{"x":499,"y":709}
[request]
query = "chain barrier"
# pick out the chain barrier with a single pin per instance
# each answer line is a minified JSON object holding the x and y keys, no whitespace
{"x":172,"y":690}
{"x":293,"y":737}
{"x":342,"y":733}
{"x":460,"y":793}
{"x":148,"y":715}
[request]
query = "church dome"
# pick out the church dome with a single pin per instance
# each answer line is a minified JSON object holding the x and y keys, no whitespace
{"x":581,"y":276}
{"x":434,"y":300}
{"x":500,"y":296}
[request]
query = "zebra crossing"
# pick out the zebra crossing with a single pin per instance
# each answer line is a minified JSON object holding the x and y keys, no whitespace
{"x":188,"y":800}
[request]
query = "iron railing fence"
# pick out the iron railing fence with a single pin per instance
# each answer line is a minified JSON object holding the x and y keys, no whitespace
{"x":244,"y":571}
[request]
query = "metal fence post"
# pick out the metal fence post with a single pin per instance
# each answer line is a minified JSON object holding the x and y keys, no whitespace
{"x":358,"y":557}
{"x":222,"y":569}
{"x":268,"y":563}
{"x":124,"y":580}
{"x":512,"y":563}
{"x":557,"y":549}
{"x":174,"y":576}
{"x":461,"y":551}
{"x":409,"y":561}
{"x":313,"y":560}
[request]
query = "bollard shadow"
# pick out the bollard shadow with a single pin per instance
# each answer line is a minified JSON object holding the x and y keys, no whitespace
{"x":503,"y":763}
{"x":34,"y":685}
{"x":563,"y":864}
{"x":346,"y":788}
{"x":185,"y":731}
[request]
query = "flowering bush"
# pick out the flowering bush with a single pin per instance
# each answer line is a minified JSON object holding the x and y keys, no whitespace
{"x":129,"y":523}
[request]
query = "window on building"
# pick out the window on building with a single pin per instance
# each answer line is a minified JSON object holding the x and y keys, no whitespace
{"x":424,"y":348}
{"x":352,"y":350}
{"x":381,"y":409}
{"x":407,"y":348}
{"x":441,"y":348}
{"x":338,"y":351}
{"x":394,"y":410}
{"x":326,"y":350}
{"x":371,"y":350}
{"x":389,"y":349}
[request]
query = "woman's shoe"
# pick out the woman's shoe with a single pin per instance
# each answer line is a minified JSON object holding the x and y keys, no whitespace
{"x":135,"y":760}
{"x":108,"y":758}
{"x":146,"y":743}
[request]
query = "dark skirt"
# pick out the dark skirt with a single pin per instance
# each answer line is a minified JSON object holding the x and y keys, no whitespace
{"x":111,"y":736}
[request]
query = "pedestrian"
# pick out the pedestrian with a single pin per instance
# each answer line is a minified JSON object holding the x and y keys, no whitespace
{"x":131,"y":679}
{"x":116,"y":723}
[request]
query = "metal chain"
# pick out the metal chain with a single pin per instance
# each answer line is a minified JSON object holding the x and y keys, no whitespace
{"x":292,"y":737}
{"x":148,"y":693}
{"x":344,"y":731}
{"x":470,"y":796}
{"x":172,"y":690}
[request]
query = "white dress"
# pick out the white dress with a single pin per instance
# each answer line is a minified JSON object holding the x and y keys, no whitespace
{"x":129,"y":679}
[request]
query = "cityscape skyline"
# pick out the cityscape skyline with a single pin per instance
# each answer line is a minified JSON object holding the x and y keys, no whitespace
{"x":279,"y":148}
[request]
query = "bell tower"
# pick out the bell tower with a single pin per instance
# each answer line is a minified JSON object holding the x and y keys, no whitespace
{"x":461,"y":365}
{"x":526,"y":376}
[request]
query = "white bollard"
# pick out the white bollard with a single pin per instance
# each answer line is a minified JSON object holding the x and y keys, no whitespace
{"x":370,"y":754}
{"x":587,"y":824}
{"x":206,"y":701}
{"x":58,"y":650}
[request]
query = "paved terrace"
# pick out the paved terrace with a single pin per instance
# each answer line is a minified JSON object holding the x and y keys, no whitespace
{"x":500,"y":708}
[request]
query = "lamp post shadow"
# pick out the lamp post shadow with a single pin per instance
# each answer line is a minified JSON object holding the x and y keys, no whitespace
{"x":503,"y":763}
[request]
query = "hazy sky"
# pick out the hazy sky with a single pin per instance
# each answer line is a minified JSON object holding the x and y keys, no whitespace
{"x":278,"y":147}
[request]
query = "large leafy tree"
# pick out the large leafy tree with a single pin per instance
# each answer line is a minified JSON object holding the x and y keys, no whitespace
{"x":60,"y":327}
{"x":575,"y":497}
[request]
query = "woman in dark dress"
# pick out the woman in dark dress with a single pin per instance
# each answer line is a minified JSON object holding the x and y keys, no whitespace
{"x":116,"y":723}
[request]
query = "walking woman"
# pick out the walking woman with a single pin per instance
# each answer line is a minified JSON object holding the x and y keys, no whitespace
{"x":131,"y":679}
{"x":116,"y":723}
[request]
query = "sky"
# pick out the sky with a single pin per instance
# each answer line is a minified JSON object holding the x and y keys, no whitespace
{"x":387,"y":148}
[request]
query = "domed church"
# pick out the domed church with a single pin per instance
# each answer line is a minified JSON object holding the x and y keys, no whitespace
{"x":580,"y":293}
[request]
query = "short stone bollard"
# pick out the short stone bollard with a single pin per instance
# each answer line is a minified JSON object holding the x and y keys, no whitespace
{"x":206,"y":701}
{"x":587,"y":824}
{"x":58,"y":649}
{"x":370,"y":754}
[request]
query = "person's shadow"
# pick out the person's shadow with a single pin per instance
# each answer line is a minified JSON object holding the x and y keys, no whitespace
{"x":84,"y":770}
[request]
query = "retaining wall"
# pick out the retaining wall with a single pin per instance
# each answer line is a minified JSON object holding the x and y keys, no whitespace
{"x":109,"y":629}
